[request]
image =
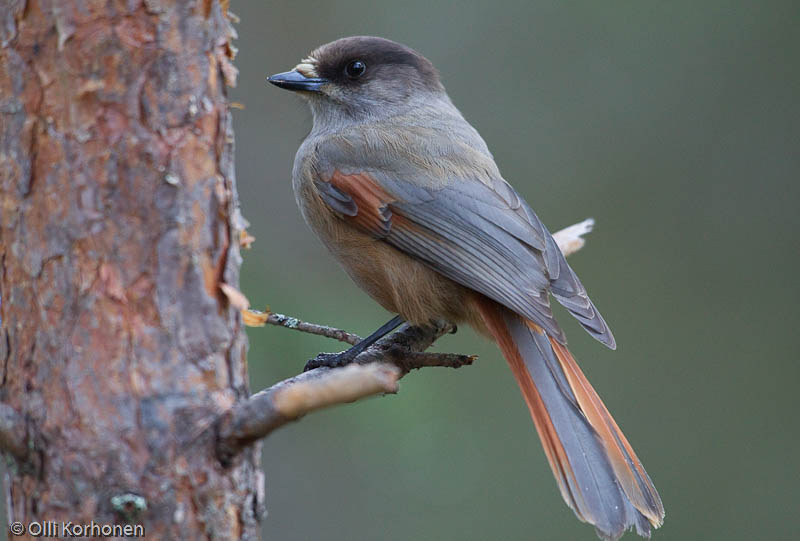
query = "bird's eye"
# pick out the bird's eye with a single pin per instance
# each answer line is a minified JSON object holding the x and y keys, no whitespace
{"x":355,"y":69}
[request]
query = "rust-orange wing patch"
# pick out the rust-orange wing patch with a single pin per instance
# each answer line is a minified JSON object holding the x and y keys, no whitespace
{"x":368,"y":203}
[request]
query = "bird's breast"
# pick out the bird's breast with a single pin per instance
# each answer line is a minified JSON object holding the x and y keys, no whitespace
{"x":398,"y":282}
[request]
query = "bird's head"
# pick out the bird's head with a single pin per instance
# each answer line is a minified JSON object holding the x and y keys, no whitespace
{"x":361,"y":76}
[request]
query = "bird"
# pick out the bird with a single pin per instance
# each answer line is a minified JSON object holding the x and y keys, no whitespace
{"x":406,"y":195}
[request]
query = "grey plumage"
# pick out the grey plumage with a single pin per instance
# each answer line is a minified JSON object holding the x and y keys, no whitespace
{"x":407,"y":196}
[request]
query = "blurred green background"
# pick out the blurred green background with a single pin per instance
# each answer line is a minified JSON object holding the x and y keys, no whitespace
{"x":677,"y":126}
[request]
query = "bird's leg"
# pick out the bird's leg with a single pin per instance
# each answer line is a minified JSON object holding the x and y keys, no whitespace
{"x":333,"y":360}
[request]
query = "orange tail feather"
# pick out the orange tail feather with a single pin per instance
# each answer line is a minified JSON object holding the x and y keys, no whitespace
{"x":597,"y":471}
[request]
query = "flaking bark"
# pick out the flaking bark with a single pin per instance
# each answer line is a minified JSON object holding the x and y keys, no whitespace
{"x":118,"y":223}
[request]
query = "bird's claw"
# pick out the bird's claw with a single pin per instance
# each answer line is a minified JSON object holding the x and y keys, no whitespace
{"x":329,"y":360}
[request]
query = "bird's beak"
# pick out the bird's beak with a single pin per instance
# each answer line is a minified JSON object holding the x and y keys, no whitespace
{"x":294,"y":80}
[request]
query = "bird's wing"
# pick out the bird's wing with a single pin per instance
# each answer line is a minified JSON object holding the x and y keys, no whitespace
{"x":480,"y":234}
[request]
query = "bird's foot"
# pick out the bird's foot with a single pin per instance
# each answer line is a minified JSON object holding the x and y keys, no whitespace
{"x":330,"y":360}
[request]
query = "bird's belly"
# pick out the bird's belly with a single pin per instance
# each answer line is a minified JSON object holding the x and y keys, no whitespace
{"x":396,"y":281}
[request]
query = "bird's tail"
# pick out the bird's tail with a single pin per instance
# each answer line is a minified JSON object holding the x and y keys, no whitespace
{"x":598,"y":473}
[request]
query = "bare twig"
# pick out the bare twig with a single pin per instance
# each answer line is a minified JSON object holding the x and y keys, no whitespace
{"x":414,"y":361}
{"x":293,"y":398}
{"x":570,"y":239}
{"x":374,"y":371}
{"x":405,"y":348}
{"x":289,"y":322}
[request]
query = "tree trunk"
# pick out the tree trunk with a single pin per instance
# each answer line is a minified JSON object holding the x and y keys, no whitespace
{"x":118,"y":223}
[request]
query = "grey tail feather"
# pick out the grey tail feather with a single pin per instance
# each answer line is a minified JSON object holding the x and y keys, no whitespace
{"x":588,"y":480}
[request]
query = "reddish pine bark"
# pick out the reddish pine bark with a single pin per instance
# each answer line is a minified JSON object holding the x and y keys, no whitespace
{"x":118,"y":222}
